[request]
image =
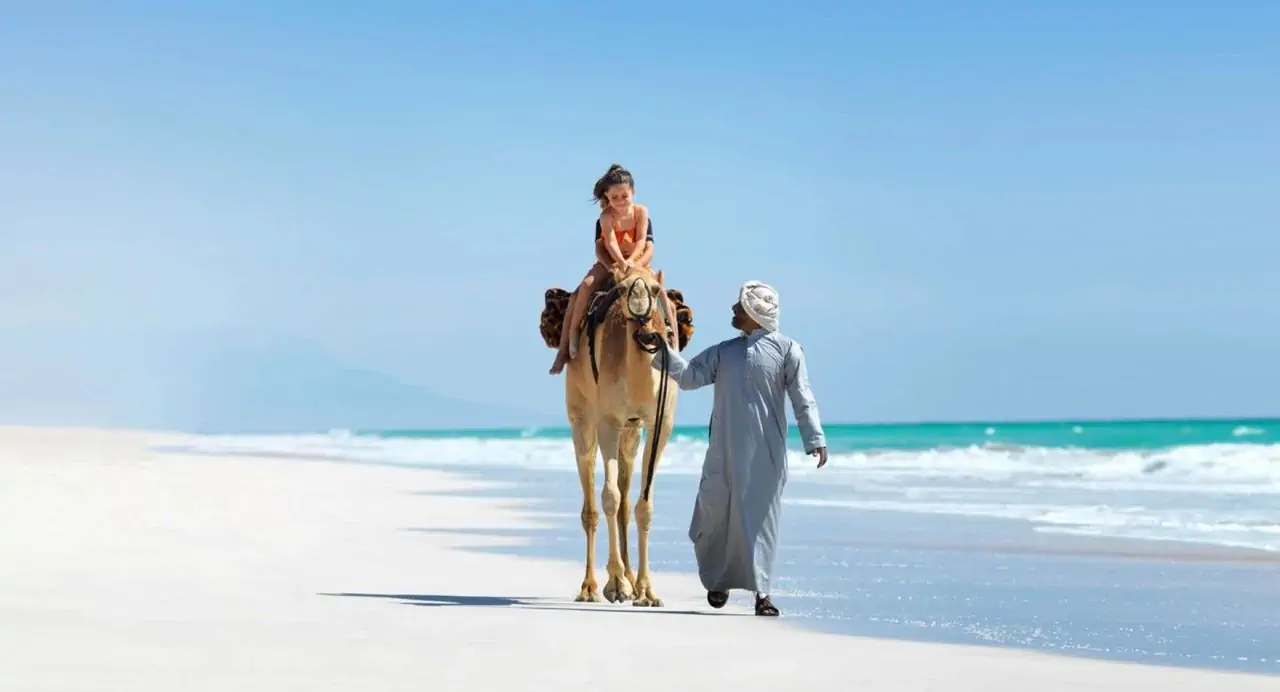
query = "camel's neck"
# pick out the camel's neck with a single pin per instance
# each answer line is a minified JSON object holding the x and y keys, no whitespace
{"x":638,"y":366}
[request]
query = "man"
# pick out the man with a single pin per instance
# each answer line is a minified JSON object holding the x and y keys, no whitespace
{"x":735,"y":518}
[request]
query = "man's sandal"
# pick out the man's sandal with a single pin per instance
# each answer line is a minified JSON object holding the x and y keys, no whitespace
{"x":717,"y":599}
{"x":765,"y":607}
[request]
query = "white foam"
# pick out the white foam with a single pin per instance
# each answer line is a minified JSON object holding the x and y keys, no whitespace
{"x":682,"y":454}
{"x":1251,"y":468}
{"x":1256,"y":528}
{"x":1224,"y":493}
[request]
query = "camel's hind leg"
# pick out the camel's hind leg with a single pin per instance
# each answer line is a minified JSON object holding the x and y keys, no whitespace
{"x":584,"y":448}
{"x":645,"y":595}
{"x":617,"y":588}
{"x":628,"y":448}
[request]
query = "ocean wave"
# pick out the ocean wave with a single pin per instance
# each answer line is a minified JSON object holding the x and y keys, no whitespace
{"x":1256,"y":528}
{"x":1230,"y":468}
{"x":1222,"y":493}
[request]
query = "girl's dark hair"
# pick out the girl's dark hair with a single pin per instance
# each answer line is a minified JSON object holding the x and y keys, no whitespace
{"x":616,"y":175}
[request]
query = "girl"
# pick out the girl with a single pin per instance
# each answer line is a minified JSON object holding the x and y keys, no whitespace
{"x":628,"y":243}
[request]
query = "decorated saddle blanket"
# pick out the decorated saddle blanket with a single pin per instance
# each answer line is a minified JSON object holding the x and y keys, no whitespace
{"x":556,"y":305}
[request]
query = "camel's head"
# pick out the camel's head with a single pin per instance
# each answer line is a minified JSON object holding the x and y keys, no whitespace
{"x":642,"y":292}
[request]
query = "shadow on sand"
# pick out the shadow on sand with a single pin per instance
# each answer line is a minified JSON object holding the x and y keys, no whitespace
{"x":447,"y":600}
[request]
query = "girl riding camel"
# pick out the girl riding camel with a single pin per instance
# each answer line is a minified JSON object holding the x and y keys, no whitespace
{"x":628,"y":243}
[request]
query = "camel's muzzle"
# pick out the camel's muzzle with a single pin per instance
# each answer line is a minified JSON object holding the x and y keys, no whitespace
{"x":640,"y":311}
{"x":639,"y":302}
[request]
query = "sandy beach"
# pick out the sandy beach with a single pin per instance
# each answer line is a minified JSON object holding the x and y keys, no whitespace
{"x":131,"y":569}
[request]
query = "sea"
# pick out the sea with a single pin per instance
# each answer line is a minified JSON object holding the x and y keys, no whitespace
{"x":1155,"y":541}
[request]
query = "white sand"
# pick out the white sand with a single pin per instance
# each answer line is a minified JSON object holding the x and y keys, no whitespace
{"x":124,"y":569}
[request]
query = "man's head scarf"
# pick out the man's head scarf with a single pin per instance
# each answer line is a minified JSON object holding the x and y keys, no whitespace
{"x":760,"y":302}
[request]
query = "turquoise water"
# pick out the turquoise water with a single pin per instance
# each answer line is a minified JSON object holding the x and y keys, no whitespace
{"x":1129,"y":434}
{"x":1198,"y":481}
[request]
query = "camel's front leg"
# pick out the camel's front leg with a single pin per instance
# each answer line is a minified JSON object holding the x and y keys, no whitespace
{"x":628,"y":448}
{"x":584,"y":448}
{"x":617,"y":588}
{"x":645,"y":595}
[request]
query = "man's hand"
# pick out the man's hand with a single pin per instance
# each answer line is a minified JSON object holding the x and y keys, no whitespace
{"x":821,"y":453}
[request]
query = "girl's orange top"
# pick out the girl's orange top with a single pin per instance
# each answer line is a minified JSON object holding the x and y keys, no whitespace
{"x":621,"y":235}
{"x":624,"y":236}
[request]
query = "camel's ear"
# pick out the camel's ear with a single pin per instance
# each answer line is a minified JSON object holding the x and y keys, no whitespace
{"x":660,"y":281}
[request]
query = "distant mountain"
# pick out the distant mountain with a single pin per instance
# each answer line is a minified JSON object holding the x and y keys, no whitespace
{"x":203,"y":385}
{"x":295,"y":388}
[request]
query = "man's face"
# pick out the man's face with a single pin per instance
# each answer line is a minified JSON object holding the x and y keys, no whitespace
{"x":739,"y":317}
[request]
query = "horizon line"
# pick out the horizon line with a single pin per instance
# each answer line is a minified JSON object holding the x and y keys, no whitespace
{"x":884,"y":423}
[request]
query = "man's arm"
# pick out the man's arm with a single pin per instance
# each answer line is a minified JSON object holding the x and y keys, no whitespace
{"x":695,"y":373}
{"x":802,"y":402}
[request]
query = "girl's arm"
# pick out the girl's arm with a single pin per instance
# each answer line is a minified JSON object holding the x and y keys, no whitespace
{"x":610,"y":240}
{"x":642,"y":233}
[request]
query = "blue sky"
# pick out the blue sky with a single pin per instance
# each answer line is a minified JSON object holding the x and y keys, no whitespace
{"x":971,"y":210}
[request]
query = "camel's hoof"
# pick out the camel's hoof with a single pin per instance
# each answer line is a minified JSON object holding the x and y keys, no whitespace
{"x":615,"y":595}
{"x":589,"y":596}
{"x":618,"y":589}
{"x":645,"y":597}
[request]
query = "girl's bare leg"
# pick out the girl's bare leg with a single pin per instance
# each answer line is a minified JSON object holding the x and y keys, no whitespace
{"x":562,"y":354}
{"x":574,"y":311}
{"x":580,"y":303}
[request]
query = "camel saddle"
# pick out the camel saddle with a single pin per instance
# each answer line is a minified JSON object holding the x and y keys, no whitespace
{"x":556,"y":304}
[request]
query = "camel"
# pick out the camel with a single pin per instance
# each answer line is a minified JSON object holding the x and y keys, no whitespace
{"x":612,"y":392}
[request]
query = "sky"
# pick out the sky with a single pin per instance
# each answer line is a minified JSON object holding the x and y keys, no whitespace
{"x":288,"y":215}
